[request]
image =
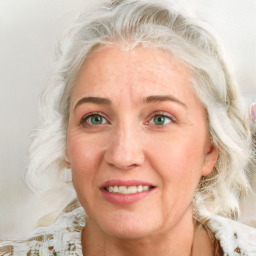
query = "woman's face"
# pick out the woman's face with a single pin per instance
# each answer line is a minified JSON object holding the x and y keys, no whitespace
{"x":137,"y":141}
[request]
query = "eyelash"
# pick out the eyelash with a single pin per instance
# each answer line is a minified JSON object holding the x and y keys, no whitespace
{"x":84,"y":120}
{"x":162,"y":114}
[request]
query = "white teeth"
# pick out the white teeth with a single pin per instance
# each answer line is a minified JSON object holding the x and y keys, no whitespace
{"x":127,"y":190}
{"x":122,"y":190}
{"x":131,"y":190}
{"x":145,"y":188}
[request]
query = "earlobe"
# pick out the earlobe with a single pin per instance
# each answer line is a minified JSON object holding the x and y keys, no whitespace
{"x":67,"y":172}
{"x":67,"y":161}
{"x":210,"y":159}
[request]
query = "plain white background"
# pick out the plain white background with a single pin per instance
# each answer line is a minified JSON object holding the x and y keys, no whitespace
{"x":29,"y":30}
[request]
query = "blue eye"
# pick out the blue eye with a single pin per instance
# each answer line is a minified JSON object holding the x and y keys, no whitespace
{"x":95,"y":119}
{"x":160,"y":120}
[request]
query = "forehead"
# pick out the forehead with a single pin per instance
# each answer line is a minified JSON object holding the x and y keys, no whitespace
{"x":142,"y":71}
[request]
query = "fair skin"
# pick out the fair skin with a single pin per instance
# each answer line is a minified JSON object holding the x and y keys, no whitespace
{"x":134,"y":118}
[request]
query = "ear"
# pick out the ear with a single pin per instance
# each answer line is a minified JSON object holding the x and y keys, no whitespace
{"x":210,"y":159}
{"x":67,"y":161}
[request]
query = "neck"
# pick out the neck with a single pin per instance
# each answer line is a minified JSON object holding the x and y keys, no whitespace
{"x":176,"y":240}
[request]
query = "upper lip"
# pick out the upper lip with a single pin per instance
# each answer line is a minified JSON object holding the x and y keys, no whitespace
{"x":118,"y":182}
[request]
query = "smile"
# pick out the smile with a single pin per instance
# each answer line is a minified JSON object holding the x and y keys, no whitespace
{"x":126,"y":192}
{"x":127,"y":189}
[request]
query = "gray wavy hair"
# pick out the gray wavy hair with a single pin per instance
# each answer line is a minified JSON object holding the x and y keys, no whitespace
{"x":159,"y":24}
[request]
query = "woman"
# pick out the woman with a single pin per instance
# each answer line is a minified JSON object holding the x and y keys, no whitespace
{"x":144,"y":111}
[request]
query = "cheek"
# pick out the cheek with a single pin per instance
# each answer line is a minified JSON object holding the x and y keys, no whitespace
{"x":178,"y":157}
{"x":84,"y":156}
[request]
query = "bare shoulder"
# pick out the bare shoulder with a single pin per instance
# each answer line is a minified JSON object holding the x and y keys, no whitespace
{"x":61,"y":238}
{"x":235,"y":238}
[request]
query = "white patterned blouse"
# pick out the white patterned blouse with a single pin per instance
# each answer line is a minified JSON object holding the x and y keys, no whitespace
{"x":63,"y":238}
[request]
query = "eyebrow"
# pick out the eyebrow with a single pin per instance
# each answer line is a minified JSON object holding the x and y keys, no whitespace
{"x":149,"y":99}
{"x":156,"y":98}
{"x":95,"y":100}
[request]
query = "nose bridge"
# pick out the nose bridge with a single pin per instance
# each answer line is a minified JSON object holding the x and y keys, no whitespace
{"x":125,"y":150}
{"x":127,"y":138}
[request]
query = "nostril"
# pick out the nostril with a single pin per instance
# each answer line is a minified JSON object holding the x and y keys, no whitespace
{"x":123,"y":166}
{"x":123,"y":155}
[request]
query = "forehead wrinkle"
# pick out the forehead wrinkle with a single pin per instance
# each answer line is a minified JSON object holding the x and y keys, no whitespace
{"x":139,"y":74}
{"x":130,"y":78}
{"x":141,"y":77}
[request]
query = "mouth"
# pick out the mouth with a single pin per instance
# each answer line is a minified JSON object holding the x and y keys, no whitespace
{"x":124,"y":190}
{"x":120,"y":192}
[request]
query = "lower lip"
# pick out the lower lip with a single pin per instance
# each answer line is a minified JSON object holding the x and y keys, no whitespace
{"x":125,"y":199}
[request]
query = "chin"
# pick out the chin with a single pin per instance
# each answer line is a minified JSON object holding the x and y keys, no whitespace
{"x":128,"y":225}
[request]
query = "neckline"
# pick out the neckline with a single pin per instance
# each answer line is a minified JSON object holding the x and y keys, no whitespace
{"x":202,"y":236}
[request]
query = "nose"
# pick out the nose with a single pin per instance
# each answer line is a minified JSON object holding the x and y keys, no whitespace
{"x":125,"y":150}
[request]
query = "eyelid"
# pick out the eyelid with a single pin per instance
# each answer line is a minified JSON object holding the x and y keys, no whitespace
{"x":163,"y":113}
{"x":84,"y":118}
